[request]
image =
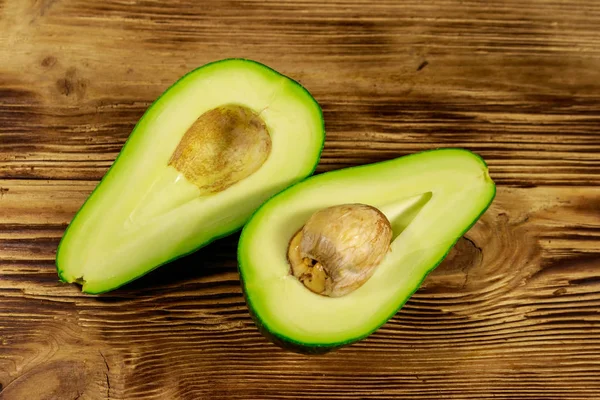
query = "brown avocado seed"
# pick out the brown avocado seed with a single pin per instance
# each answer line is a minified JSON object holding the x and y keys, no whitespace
{"x":222,"y":147}
{"x":338,"y":248}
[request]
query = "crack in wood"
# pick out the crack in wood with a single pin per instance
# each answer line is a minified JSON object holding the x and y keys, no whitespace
{"x":465,"y":268}
{"x":422,"y":65}
{"x":106,"y":375}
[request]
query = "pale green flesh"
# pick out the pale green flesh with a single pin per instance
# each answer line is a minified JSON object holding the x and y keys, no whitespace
{"x":430,"y":198}
{"x":145,"y":213}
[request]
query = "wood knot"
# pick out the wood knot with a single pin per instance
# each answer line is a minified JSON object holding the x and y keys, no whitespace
{"x":48,"y":62}
{"x":71,"y":84}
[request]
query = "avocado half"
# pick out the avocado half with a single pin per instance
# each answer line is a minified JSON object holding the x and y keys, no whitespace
{"x":431,"y":199}
{"x":165,"y":195}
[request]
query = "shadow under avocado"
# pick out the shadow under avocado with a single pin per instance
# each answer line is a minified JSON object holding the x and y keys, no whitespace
{"x":218,"y":257}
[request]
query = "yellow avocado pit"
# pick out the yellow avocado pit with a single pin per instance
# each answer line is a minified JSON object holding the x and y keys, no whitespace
{"x":222,"y":147}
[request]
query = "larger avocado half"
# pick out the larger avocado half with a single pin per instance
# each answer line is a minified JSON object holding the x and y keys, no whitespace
{"x":203,"y":157}
{"x":430,"y":200}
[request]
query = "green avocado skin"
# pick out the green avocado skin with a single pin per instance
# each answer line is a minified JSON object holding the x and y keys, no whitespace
{"x":318,"y":349}
{"x":234,"y":229}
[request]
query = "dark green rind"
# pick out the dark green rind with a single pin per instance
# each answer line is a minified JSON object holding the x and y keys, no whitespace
{"x":316,"y":348}
{"x":236,"y":228}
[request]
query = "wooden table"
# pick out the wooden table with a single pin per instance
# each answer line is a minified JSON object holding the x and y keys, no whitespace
{"x":512,"y":313}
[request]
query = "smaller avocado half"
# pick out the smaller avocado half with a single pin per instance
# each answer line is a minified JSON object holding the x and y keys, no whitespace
{"x":430,"y":199}
{"x":210,"y":150}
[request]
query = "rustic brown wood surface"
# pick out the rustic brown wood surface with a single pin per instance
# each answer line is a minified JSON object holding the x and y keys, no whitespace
{"x":512,"y":313}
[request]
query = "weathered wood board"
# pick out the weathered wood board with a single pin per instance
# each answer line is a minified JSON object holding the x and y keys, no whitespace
{"x":512,"y":313}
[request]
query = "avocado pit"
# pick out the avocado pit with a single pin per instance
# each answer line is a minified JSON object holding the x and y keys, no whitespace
{"x":222,"y":147}
{"x":339,"y":248}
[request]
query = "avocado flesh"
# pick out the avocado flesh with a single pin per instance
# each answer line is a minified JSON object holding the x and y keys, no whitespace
{"x":145,"y":213}
{"x":431,"y":199}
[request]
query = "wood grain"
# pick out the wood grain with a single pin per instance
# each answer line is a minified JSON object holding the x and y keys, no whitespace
{"x":512,"y":312}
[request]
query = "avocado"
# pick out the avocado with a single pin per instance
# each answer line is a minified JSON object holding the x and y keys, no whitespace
{"x":327,"y":261}
{"x":211,"y":149}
